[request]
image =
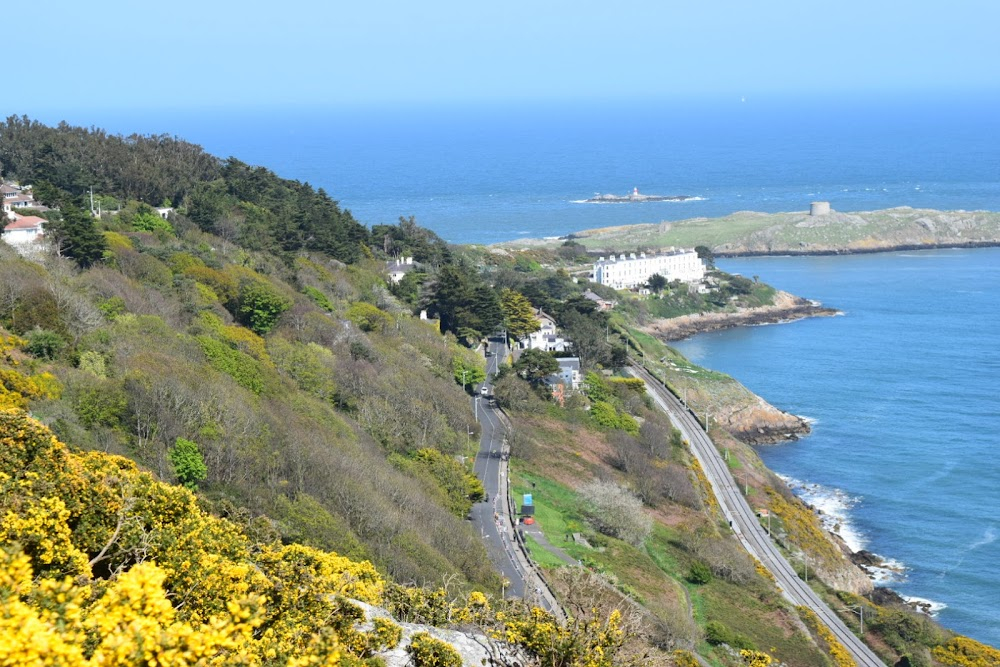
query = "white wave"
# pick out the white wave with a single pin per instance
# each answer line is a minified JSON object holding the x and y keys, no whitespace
{"x":929,"y":607}
{"x":989,"y":537}
{"x":889,"y":572}
{"x":833,"y":507}
{"x":812,"y":421}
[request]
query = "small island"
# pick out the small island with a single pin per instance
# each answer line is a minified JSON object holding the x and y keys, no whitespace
{"x":634,"y":196}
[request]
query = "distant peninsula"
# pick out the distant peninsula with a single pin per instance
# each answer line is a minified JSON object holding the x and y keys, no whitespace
{"x":634,"y":197}
{"x":747,"y":233}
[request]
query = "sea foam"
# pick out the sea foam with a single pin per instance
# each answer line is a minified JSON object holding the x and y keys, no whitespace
{"x":833,"y":507}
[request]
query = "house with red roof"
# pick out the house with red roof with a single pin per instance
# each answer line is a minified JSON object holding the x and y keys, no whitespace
{"x":24,"y":232}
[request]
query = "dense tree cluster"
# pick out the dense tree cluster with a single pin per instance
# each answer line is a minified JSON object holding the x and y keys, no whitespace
{"x":255,"y":208}
{"x":153,"y":169}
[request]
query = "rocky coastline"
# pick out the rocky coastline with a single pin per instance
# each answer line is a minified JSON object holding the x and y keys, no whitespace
{"x":786,"y":308}
{"x":828,"y":252}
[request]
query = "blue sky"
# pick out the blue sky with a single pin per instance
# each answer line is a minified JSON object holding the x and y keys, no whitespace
{"x":119,"y":55}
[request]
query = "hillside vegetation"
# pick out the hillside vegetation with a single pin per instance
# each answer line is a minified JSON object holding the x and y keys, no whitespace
{"x":105,"y":565}
{"x":259,"y":425}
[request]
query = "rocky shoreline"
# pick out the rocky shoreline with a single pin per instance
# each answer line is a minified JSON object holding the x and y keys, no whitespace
{"x":786,"y":308}
{"x":899,"y":247}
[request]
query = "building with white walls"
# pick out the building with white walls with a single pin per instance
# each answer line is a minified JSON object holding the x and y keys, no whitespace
{"x":628,"y":272}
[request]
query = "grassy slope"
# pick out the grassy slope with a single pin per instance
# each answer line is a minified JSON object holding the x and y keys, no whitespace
{"x":746,"y":231}
{"x":567,"y":455}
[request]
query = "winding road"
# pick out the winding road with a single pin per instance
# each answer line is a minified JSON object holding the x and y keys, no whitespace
{"x":495,"y":518}
{"x":745,"y":524}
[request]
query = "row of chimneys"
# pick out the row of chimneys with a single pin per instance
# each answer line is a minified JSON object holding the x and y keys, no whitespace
{"x":621,"y":257}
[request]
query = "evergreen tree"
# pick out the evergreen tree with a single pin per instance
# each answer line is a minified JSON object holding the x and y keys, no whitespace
{"x":536,"y":365}
{"x":518,"y":313}
{"x":487,"y":309}
{"x":656,"y":283}
{"x":76,"y":236}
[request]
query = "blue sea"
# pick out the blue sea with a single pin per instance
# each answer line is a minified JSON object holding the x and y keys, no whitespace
{"x":902,"y":387}
{"x":484,"y":175}
{"x":903,"y":392}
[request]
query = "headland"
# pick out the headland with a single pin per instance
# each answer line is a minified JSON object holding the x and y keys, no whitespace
{"x":748,"y":233}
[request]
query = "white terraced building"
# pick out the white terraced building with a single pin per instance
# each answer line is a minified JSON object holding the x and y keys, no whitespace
{"x":623,"y":272}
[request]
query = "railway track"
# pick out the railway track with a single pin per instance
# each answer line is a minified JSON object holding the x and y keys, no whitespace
{"x":744,"y":521}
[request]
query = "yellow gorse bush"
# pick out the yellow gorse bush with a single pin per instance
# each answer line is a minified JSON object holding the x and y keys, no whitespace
{"x":965,"y":652}
{"x":110,"y":567}
{"x":105,"y":566}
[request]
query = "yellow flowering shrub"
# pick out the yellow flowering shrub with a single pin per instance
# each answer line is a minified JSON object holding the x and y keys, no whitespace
{"x":841,"y":656}
{"x":426,"y":651}
{"x":169,"y":584}
{"x":108,"y":567}
{"x":684,"y":658}
{"x":582,"y":644}
{"x":755,"y":658}
{"x":965,"y":652}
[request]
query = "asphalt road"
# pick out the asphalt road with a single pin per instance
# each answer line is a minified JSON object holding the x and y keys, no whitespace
{"x":490,"y":517}
{"x":745,"y":524}
{"x":493,"y":518}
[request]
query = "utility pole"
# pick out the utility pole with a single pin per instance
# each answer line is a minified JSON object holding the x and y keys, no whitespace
{"x":92,"y":201}
{"x":860,"y":611}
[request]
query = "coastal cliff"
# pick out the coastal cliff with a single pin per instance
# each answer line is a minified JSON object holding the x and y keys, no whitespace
{"x":729,"y":405}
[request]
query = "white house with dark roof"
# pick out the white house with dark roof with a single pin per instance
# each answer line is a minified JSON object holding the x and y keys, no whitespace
{"x":547,"y":337}
{"x":569,"y":373}
{"x":398,"y":268}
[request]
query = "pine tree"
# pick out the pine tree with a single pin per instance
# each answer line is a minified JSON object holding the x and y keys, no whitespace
{"x":518,"y":313}
{"x":77,"y":237}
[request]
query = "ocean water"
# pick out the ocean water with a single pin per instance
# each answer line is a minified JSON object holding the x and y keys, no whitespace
{"x":484,"y":175}
{"x":902,"y":387}
{"x":903,"y":392}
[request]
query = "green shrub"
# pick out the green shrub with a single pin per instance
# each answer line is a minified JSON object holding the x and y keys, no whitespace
{"x":102,"y":403}
{"x":318,"y":298}
{"x":368,"y":317}
{"x":93,"y":363}
{"x":259,"y":306}
{"x":44,"y":344}
{"x":189,"y":465}
{"x":112,"y":308}
{"x":604,"y":414}
{"x":699,"y":573}
{"x":237,"y":365}
{"x":151,"y":222}
{"x":716,"y":633}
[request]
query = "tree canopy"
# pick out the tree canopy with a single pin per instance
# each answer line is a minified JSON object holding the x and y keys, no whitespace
{"x":536,"y":365}
{"x":518,"y":314}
